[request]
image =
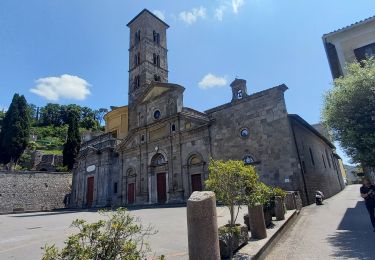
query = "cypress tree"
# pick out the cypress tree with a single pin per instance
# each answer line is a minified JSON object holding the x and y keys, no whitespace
{"x":14,"y":135}
{"x":73,"y":141}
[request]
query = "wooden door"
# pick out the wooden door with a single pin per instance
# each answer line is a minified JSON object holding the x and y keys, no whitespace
{"x":196,"y":182}
{"x":90,"y":191}
{"x":161,"y":187}
{"x":131,"y":193}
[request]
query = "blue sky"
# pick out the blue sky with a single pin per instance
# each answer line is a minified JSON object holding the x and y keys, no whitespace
{"x":266,"y":42}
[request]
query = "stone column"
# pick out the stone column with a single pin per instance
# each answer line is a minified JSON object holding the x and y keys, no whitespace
{"x":290,"y":201}
{"x":257,"y":225}
{"x":279,"y":208}
{"x":203,"y":235}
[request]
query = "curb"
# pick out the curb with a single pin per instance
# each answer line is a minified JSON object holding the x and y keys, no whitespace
{"x":262,"y":253}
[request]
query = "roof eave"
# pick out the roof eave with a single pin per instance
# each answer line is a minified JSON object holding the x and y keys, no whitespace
{"x":146,"y":10}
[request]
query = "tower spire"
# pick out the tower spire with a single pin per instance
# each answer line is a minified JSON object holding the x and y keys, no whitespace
{"x":147,"y":53}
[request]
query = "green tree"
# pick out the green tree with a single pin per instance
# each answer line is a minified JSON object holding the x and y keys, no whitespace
{"x":2,"y":115}
{"x":73,"y":141}
{"x":119,"y":236}
{"x":32,"y":112}
{"x":349,"y":110}
{"x":15,"y":131}
{"x":51,"y":115}
{"x":88,"y":119}
{"x":232,"y":182}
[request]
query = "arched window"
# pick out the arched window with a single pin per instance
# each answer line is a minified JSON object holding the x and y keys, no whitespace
{"x":248,"y":159}
{"x":136,"y":81}
{"x":173,"y":127}
{"x":156,"y":37}
{"x":137,"y":37}
{"x":239,"y":94}
{"x":154,"y":58}
{"x":158,"y":159}
{"x":194,"y":160}
{"x":130,"y":172}
{"x":156,"y":77}
{"x":158,"y":61}
{"x":138,"y":59}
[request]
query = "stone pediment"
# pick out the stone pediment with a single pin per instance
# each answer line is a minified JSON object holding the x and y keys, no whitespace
{"x":154,"y":92}
{"x":157,"y":89}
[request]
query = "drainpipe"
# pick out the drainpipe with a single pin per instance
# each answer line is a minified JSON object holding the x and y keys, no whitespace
{"x":300,"y":163}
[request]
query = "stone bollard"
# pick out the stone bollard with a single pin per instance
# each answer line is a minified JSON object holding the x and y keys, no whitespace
{"x":203,"y":235}
{"x":290,"y":201}
{"x":279,"y":208}
{"x":257,"y":225}
{"x":298,"y":200}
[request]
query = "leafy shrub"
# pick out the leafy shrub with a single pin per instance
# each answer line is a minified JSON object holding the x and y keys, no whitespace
{"x":279,"y":192}
{"x":62,"y":169}
{"x":119,"y":236}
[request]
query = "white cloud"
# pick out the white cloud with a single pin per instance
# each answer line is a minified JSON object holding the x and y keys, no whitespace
{"x":211,"y":81}
{"x":160,"y":14}
{"x":226,"y":5}
{"x":192,"y":16}
{"x":236,"y":4}
{"x":219,"y":12}
{"x":66,"y":86}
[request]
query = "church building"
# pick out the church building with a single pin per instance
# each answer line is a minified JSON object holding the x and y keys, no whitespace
{"x":156,"y":150}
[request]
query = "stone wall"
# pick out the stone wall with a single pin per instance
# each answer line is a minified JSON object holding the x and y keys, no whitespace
{"x":269,"y":142}
{"x":33,"y":191}
{"x":320,"y":166}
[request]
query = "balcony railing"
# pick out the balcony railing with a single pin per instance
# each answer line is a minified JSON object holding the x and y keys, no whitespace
{"x":101,"y":142}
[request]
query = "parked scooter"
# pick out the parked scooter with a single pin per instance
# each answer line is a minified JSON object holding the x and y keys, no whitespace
{"x":319,"y":196}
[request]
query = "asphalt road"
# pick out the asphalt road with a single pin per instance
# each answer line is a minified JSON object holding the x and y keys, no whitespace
{"x":23,"y":235}
{"x":340,"y":229}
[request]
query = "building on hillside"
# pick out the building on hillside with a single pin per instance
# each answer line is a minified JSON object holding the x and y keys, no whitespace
{"x":158,"y":150}
{"x":351,"y":43}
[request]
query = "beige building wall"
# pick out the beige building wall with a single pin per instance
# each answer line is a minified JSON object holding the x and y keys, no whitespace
{"x":116,"y":122}
{"x":348,"y":39}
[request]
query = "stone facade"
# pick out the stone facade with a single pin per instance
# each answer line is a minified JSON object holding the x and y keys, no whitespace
{"x":33,"y":191}
{"x":319,"y":163}
{"x":165,"y":154}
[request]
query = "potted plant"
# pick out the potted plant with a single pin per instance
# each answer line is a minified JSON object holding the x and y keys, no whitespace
{"x":230,"y":180}
{"x":279,"y":196}
{"x":262,"y":195}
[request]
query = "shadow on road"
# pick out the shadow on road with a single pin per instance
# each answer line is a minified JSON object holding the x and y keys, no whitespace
{"x":68,"y":211}
{"x":354,"y":237}
{"x":46,"y":214}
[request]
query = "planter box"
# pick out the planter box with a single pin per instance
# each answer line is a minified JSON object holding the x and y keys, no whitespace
{"x":268,"y":213}
{"x":240,"y":240}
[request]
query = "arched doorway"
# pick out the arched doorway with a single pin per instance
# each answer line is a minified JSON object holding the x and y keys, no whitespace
{"x":158,"y":163}
{"x":131,"y":178}
{"x":195,"y":165}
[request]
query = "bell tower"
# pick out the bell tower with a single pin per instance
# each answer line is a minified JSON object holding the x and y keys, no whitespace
{"x":147,"y":53}
{"x":239,"y":89}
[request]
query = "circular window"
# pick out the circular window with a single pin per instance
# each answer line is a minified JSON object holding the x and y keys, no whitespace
{"x":157,"y":114}
{"x":244,"y":132}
